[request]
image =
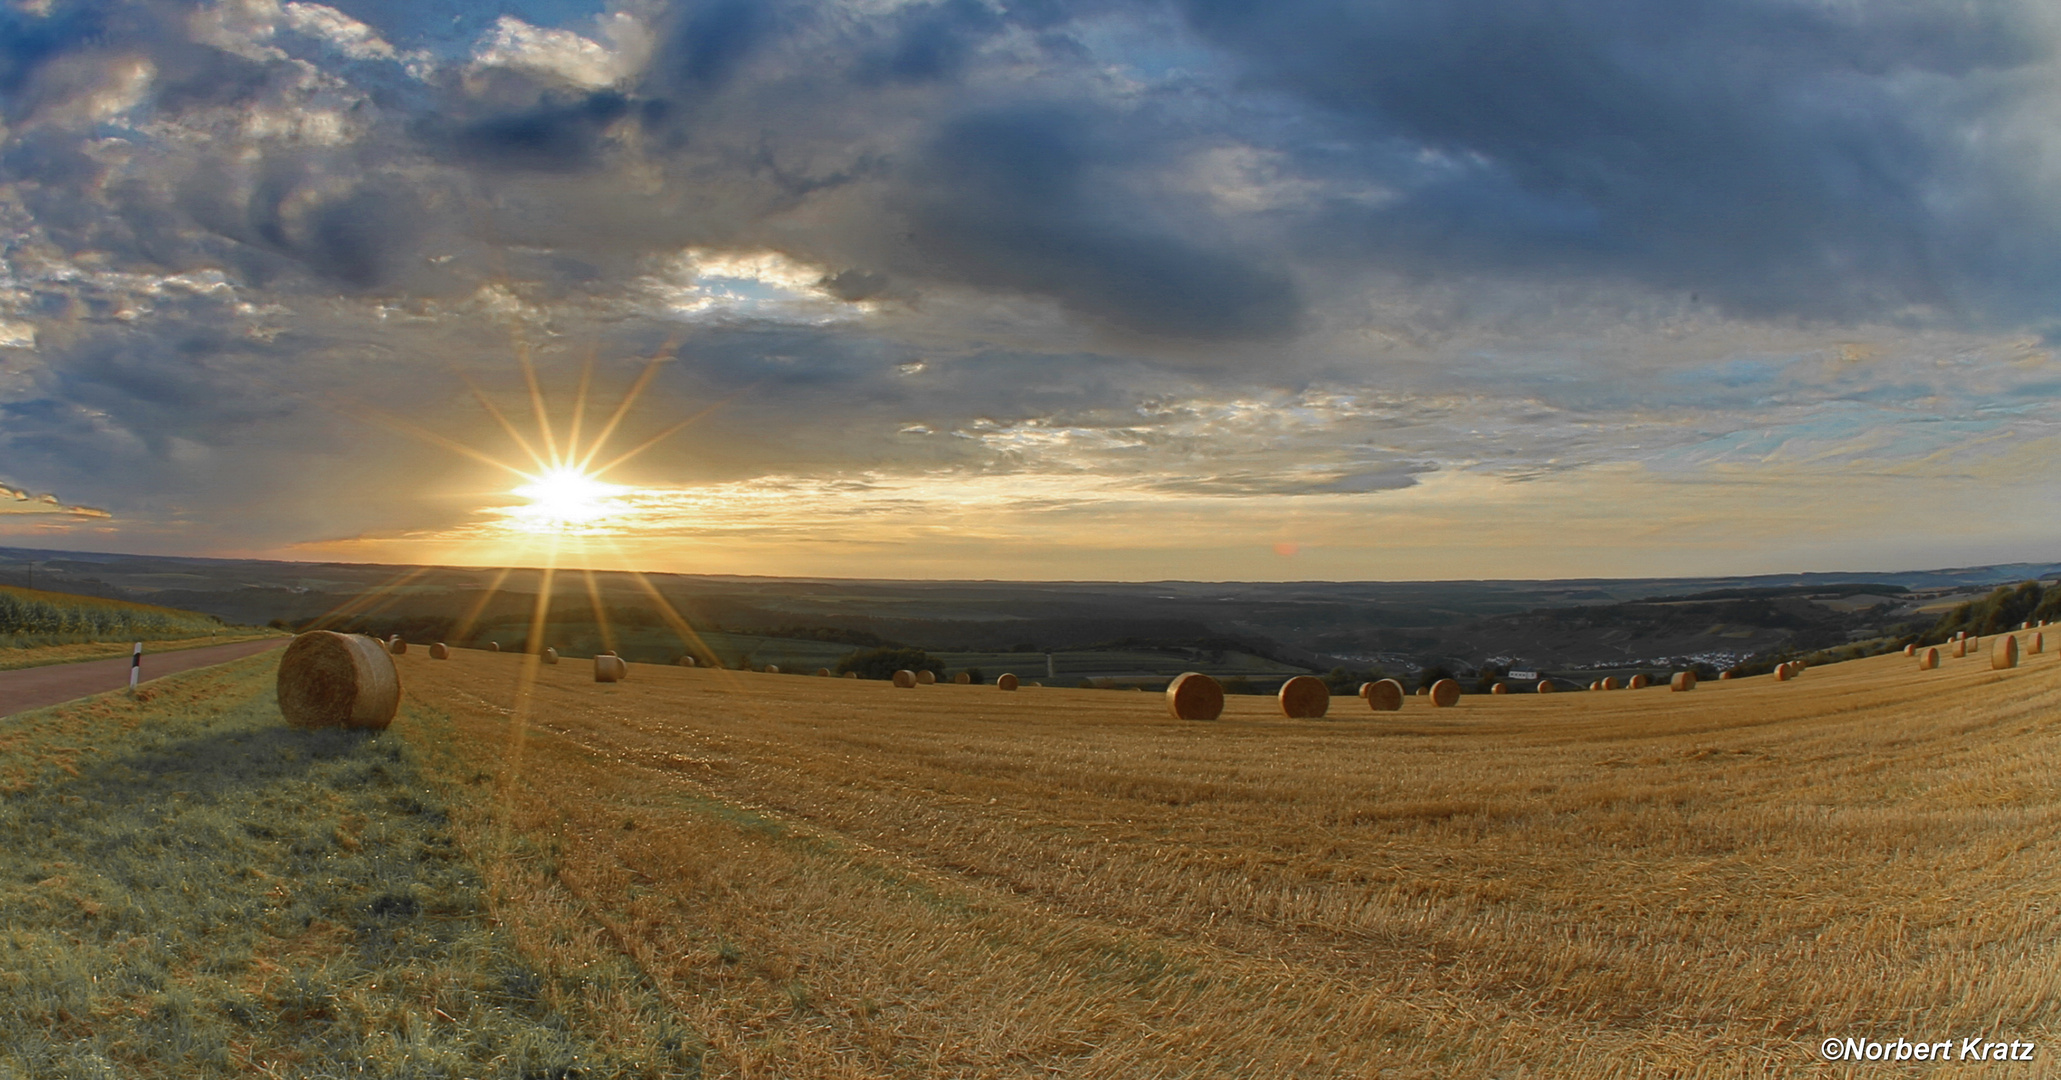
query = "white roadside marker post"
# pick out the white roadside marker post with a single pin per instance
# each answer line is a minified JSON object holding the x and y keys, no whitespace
{"x":135,"y":668}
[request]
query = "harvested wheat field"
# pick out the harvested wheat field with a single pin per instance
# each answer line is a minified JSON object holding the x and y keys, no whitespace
{"x":835,"y":879}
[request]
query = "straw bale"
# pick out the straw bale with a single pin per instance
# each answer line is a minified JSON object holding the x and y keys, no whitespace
{"x":822,"y":672}
{"x":1724,"y":675}
{"x":851,"y":674}
{"x":493,"y":646}
{"x":439,"y":651}
{"x":686,"y":661}
{"x":1546,"y":687}
{"x":926,"y":677}
{"x":397,"y":645}
{"x":905,"y":678}
{"x":1596,"y":686}
{"x":1610,"y":683}
{"x":1960,"y":647}
{"x":1193,"y":696}
{"x":1006,"y":682}
{"x":1784,"y":673}
{"x":1304,"y":697}
{"x":608,"y":667}
{"x":1928,"y":660}
{"x":1445,"y":694}
{"x":963,"y":679}
{"x":1911,"y":650}
{"x":327,"y":679}
{"x":2004,"y":654}
{"x":550,"y":655}
{"x":1500,"y":688}
{"x":772,"y":669}
{"x":1385,"y":695}
{"x":1683,"y":680}
{"x":1640,"y":682}
{"x":2036,"y":643}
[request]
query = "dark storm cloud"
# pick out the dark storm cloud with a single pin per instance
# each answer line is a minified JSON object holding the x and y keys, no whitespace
{"x":1784,"y":157}
{"x":1007,"y":199}
{"x":555,"y":136}
{"x":929,"y":42}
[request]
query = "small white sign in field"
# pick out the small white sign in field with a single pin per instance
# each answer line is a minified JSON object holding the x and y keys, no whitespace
{"x":1524,"y":674}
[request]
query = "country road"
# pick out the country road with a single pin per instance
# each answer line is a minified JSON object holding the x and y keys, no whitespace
{"x":33,"y":688}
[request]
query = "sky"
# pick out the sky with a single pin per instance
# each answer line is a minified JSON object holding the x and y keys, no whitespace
{"x":1036,"y":289}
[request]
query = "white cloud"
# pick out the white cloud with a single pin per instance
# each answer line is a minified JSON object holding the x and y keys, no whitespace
{"x":578,"y":60}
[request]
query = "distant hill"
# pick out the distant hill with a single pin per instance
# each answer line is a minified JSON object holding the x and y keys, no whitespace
{"x":1315,"y":625}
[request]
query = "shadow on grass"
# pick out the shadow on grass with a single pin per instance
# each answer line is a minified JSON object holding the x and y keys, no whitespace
{"x":213,"y":894}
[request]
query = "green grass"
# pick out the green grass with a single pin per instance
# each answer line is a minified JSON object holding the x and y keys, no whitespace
{"x":31,"y":617}
{"x":188,"y":888}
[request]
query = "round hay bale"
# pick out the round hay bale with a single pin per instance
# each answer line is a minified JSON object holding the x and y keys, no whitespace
{"x":1595,"y":686}
{"x":1724,"y":675}
{"x":1424,"y":691}
{"x":1639,"y":682}
{"x":822,"y":672}
{"x":1610,"y":683}
{"x":1039,"y":685}
{"x":493,"y":646}
{"x":772,"y":669}
{"x":905,"y":678}
{"x":1960,"y":647}
{"x":327,"y":679}
{"x":1500,"y":689}
{"x":1928,"y":660}
{"x":1910,"y":650}
{"x":926,"y":677}
{"x":1445,"y":694}
{"x":2036,"y":643}
{"x":1304,"y":697}
{"x":1546,"y":687}
{"x":1784,"y":673}
{"x":1385,"y":695}
{"x":686,"y":661}
{"x":439,"y":651}
{"x":2004,"y":654}
{"x":1006,"y":682}
{"x":1974,"y":644}
{"x":1683,"y":680}
{"x":608,"y":667}
{"x":963,"y":679}
{"x":851,"y":674}
{"x":397,"y":646}
{"x":550,"y":655}
{"x":1193,"y":696}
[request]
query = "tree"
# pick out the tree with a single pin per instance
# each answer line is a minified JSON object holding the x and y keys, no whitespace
{"x":883,"y":663}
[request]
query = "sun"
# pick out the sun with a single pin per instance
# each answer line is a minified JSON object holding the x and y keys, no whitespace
{"x":564,"y":496}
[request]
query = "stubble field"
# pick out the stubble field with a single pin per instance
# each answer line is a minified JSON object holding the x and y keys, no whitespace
{"x":833,"y":878}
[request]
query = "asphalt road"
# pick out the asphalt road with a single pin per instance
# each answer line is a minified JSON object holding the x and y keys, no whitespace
{"x":33,"y":688}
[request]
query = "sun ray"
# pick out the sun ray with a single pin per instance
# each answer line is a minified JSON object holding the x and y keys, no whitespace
{"x":463,"y":630}
{"x":543,"y":415}
{"x":600,"y":611}
{"x":507,"y":425}
{"x":690,"y":639}
{"x":629,"y":398}
{"x":572,"y":439}
{"x":648,"y":443}
{"x":353,"y":607}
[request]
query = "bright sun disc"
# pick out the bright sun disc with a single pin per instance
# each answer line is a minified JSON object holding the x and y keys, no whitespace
{"x":566,"y":496}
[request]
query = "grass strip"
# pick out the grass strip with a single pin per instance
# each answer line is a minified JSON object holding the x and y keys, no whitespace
{"x":191,"y":889}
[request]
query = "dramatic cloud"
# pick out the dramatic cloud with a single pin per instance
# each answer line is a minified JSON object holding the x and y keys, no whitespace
{"x":1062,"y":288}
